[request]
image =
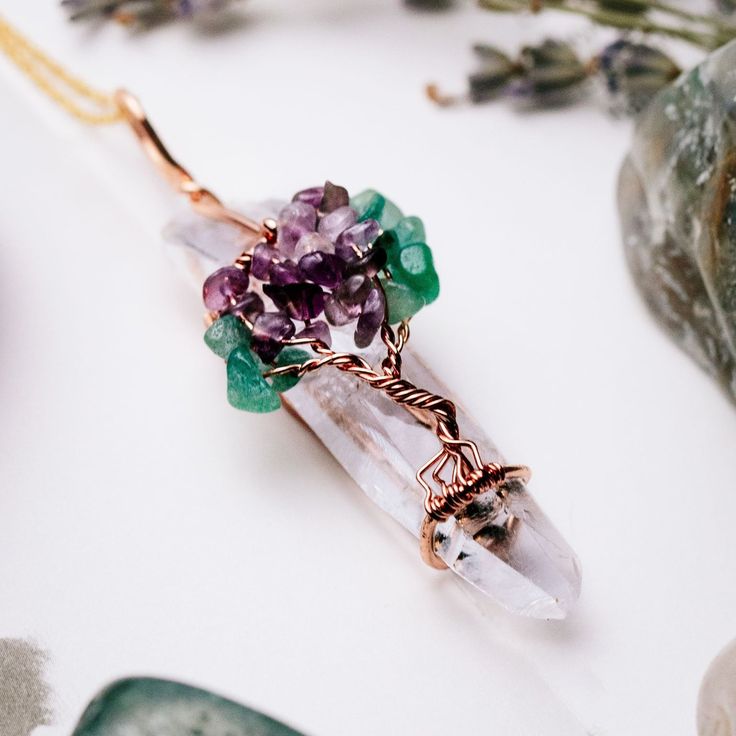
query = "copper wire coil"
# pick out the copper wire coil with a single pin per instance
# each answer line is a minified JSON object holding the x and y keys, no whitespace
{"x":456,"y":496}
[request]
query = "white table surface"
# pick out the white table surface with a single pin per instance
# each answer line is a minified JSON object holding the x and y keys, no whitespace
{"x":148,"y":528}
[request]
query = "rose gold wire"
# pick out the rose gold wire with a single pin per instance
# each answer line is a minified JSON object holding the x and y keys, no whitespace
{"x":201,"y":199}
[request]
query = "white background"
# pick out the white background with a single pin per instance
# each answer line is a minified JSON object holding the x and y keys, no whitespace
{"x":146,"y":527}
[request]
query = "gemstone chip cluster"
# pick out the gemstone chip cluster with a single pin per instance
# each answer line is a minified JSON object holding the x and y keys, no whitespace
{"x":336,"y":261}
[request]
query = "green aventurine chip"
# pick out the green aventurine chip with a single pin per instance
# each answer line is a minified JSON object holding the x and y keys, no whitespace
{"x":288,"y":356}
{"x":402,"y":302}
{"x":225,"y":334}
{"x":413,"y":267}
{"x":247,"y":389}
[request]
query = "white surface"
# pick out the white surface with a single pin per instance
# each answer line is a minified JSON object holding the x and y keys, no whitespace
{"x":146,"y":527}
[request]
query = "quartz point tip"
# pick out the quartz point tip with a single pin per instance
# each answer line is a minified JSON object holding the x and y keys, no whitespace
{"x":507,"y":549}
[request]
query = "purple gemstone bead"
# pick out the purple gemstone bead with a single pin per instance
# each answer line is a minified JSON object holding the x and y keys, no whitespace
{"x":300,"y":301}
{"x":250,"y":306}
{"x":371,"y":319}
{"x":334,"y":197}
{"x":325,"y":269}
{"x":311,"y":242}
{"x":353,"y":290}
{"x":336,"y":222}
{"x":224,"y":287}
{"x":339,"y":314}
{"x":294,"y":220}
{"x":269,"y":329}
{"x":284,"y":272}
{"x":370,"y":264}
{"x":312,"y":196}
{"x":359,"y":237}
{"x":318,"y":330}
{"x":260,"y":265}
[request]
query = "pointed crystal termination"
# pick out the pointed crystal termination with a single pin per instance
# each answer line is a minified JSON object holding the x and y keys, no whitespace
{"x":510,"y":551}
{"x":145,"y":706}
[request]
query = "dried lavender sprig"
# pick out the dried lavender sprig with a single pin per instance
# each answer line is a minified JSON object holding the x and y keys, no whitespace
{"x":551,"y":74}
{"x":715,"y":33}
{"x":143,"y":12}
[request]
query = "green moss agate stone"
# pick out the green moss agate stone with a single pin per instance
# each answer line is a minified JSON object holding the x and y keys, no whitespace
{"x":247,"y":389}
{"x":288,"y":356}
{"x":677,"y":204}
{"x":401,"y":301}
{"x":225,"y":334}
{"x":152,"y":707}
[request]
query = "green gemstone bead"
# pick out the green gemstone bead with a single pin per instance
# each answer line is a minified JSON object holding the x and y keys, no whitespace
{"x":225,"y":334}
{"x":288,"y":356}
{"x":414,"y":268}
{"x":247,"y":389}
{"x":410,"y":230}
{"x":143,"y":705}
{"x":402,"y":302}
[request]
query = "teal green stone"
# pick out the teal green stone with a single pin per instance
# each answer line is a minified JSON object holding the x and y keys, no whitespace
{"x":288,"y":356}
{"x":247,"y":389}
{"x":401,"y":301}
{"x":153,"y":707}
{"x":225,"y":334}
{"x":414,"y":268}
{"x":410,"y":230}
{"x":368,"y":204}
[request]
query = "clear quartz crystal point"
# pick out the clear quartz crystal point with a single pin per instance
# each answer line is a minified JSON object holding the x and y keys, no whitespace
{"x":510,"y":551}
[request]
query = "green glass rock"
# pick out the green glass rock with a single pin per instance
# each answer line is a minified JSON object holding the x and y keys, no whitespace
{"x":247,"y":389}
{"x":401,"y":301}
{"x":152,"y":707}
{"x":225,"y":334}
{"x":288,"y":356}
{"x":414,"y":267}
{"x":410,"y":230}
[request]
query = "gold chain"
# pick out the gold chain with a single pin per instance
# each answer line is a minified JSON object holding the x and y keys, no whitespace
{"x":68,"y":91}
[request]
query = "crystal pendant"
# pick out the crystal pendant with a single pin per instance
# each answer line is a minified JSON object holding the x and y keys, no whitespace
{"x":506,"y":548}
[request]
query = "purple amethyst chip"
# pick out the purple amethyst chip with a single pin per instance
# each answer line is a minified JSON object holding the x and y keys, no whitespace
{"x":299,"y":301}
{"x":269,"y":329}
{"x":224,"y":287}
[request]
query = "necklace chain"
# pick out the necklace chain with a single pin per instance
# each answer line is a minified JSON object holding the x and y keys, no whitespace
{"x":71,"y":93}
